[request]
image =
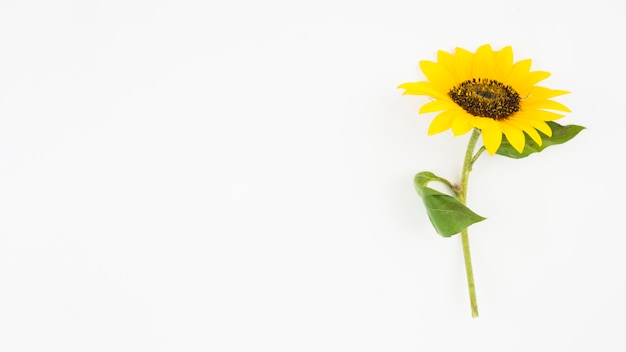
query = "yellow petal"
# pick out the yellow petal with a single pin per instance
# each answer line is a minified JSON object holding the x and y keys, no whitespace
{"x":492,"y":134}
{"x":462,"y":124}
{"x":539,"y":125}
{"x":530,"y":130}
{"x":537,"y":76}
{"x":523,"y":86}
{"x":464,"y":61}
{"x":449,"y":63}
{"x":539,"y":115}
{"x":545,"y":104}
{"x":514,"y":135}
{"x":484,"y":62}
{"x":539,"y":93}
{"x":437,"y":75}
{"x":504,"y":64}
{"x":423,"y":88}
{"x":441,"y":122}
{"x":518,"y":74}
{"x":437,"y":105}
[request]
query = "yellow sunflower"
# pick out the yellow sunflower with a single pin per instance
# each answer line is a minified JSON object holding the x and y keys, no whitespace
{"x":488,"y":91}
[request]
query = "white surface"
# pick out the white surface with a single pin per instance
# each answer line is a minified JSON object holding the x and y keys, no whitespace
{"x":237,"y":176}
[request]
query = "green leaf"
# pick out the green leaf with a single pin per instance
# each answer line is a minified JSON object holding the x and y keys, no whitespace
{"x":446,"y":213}
{"x":560,"y":135}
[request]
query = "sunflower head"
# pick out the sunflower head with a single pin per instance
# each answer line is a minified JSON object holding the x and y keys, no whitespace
{"x":488,"y":91}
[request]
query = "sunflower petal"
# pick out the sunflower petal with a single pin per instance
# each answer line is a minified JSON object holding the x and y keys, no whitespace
{"x":422,"y":88}
{"x":442,"y":122}
{"x":492,"y":134}
{"x":492,"y":139}
{"x":539,"y":125}
{"x":449,"y":63}
{"x":514,"y":135}
{"x":437,"y":75}
{"x":530,"y":130}
{"x":540,"y":115}
{"x":484,"y":62}
{"x":539,"y":93}
{"x":534,"y":135}
{"x":504,"y":64}
{"x":525,"y":85}
{"x":437,"y":105}
{"x":464,"y":60}
{"x":537,"y":76}
{"x":462,"y":124}
{"x":519,"y":72}
{"x":545,"y":104}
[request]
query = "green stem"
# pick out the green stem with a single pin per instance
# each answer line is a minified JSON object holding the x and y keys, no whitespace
{"x":462,"y":195}
{"x":445,"y":182}
{"x":480,"y":151}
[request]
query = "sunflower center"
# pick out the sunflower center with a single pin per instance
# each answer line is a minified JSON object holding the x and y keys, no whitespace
{"x":486,"y":98}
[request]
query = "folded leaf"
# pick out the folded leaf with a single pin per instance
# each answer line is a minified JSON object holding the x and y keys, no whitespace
{"x":560,"y":135}
{"x":445,"y":212}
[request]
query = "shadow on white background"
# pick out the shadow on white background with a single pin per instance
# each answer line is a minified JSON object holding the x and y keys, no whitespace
{"x":213,"y":176}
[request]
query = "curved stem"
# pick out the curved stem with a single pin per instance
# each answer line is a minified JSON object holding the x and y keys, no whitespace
{"x":445,"y":182}
{"x":480,"y":151}
{"x":462,"y":195}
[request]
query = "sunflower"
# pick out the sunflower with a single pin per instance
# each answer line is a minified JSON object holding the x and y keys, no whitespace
{"x":488,"y":91}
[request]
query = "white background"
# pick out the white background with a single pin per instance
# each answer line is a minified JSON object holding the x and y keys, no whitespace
{"x":237,"y":176}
